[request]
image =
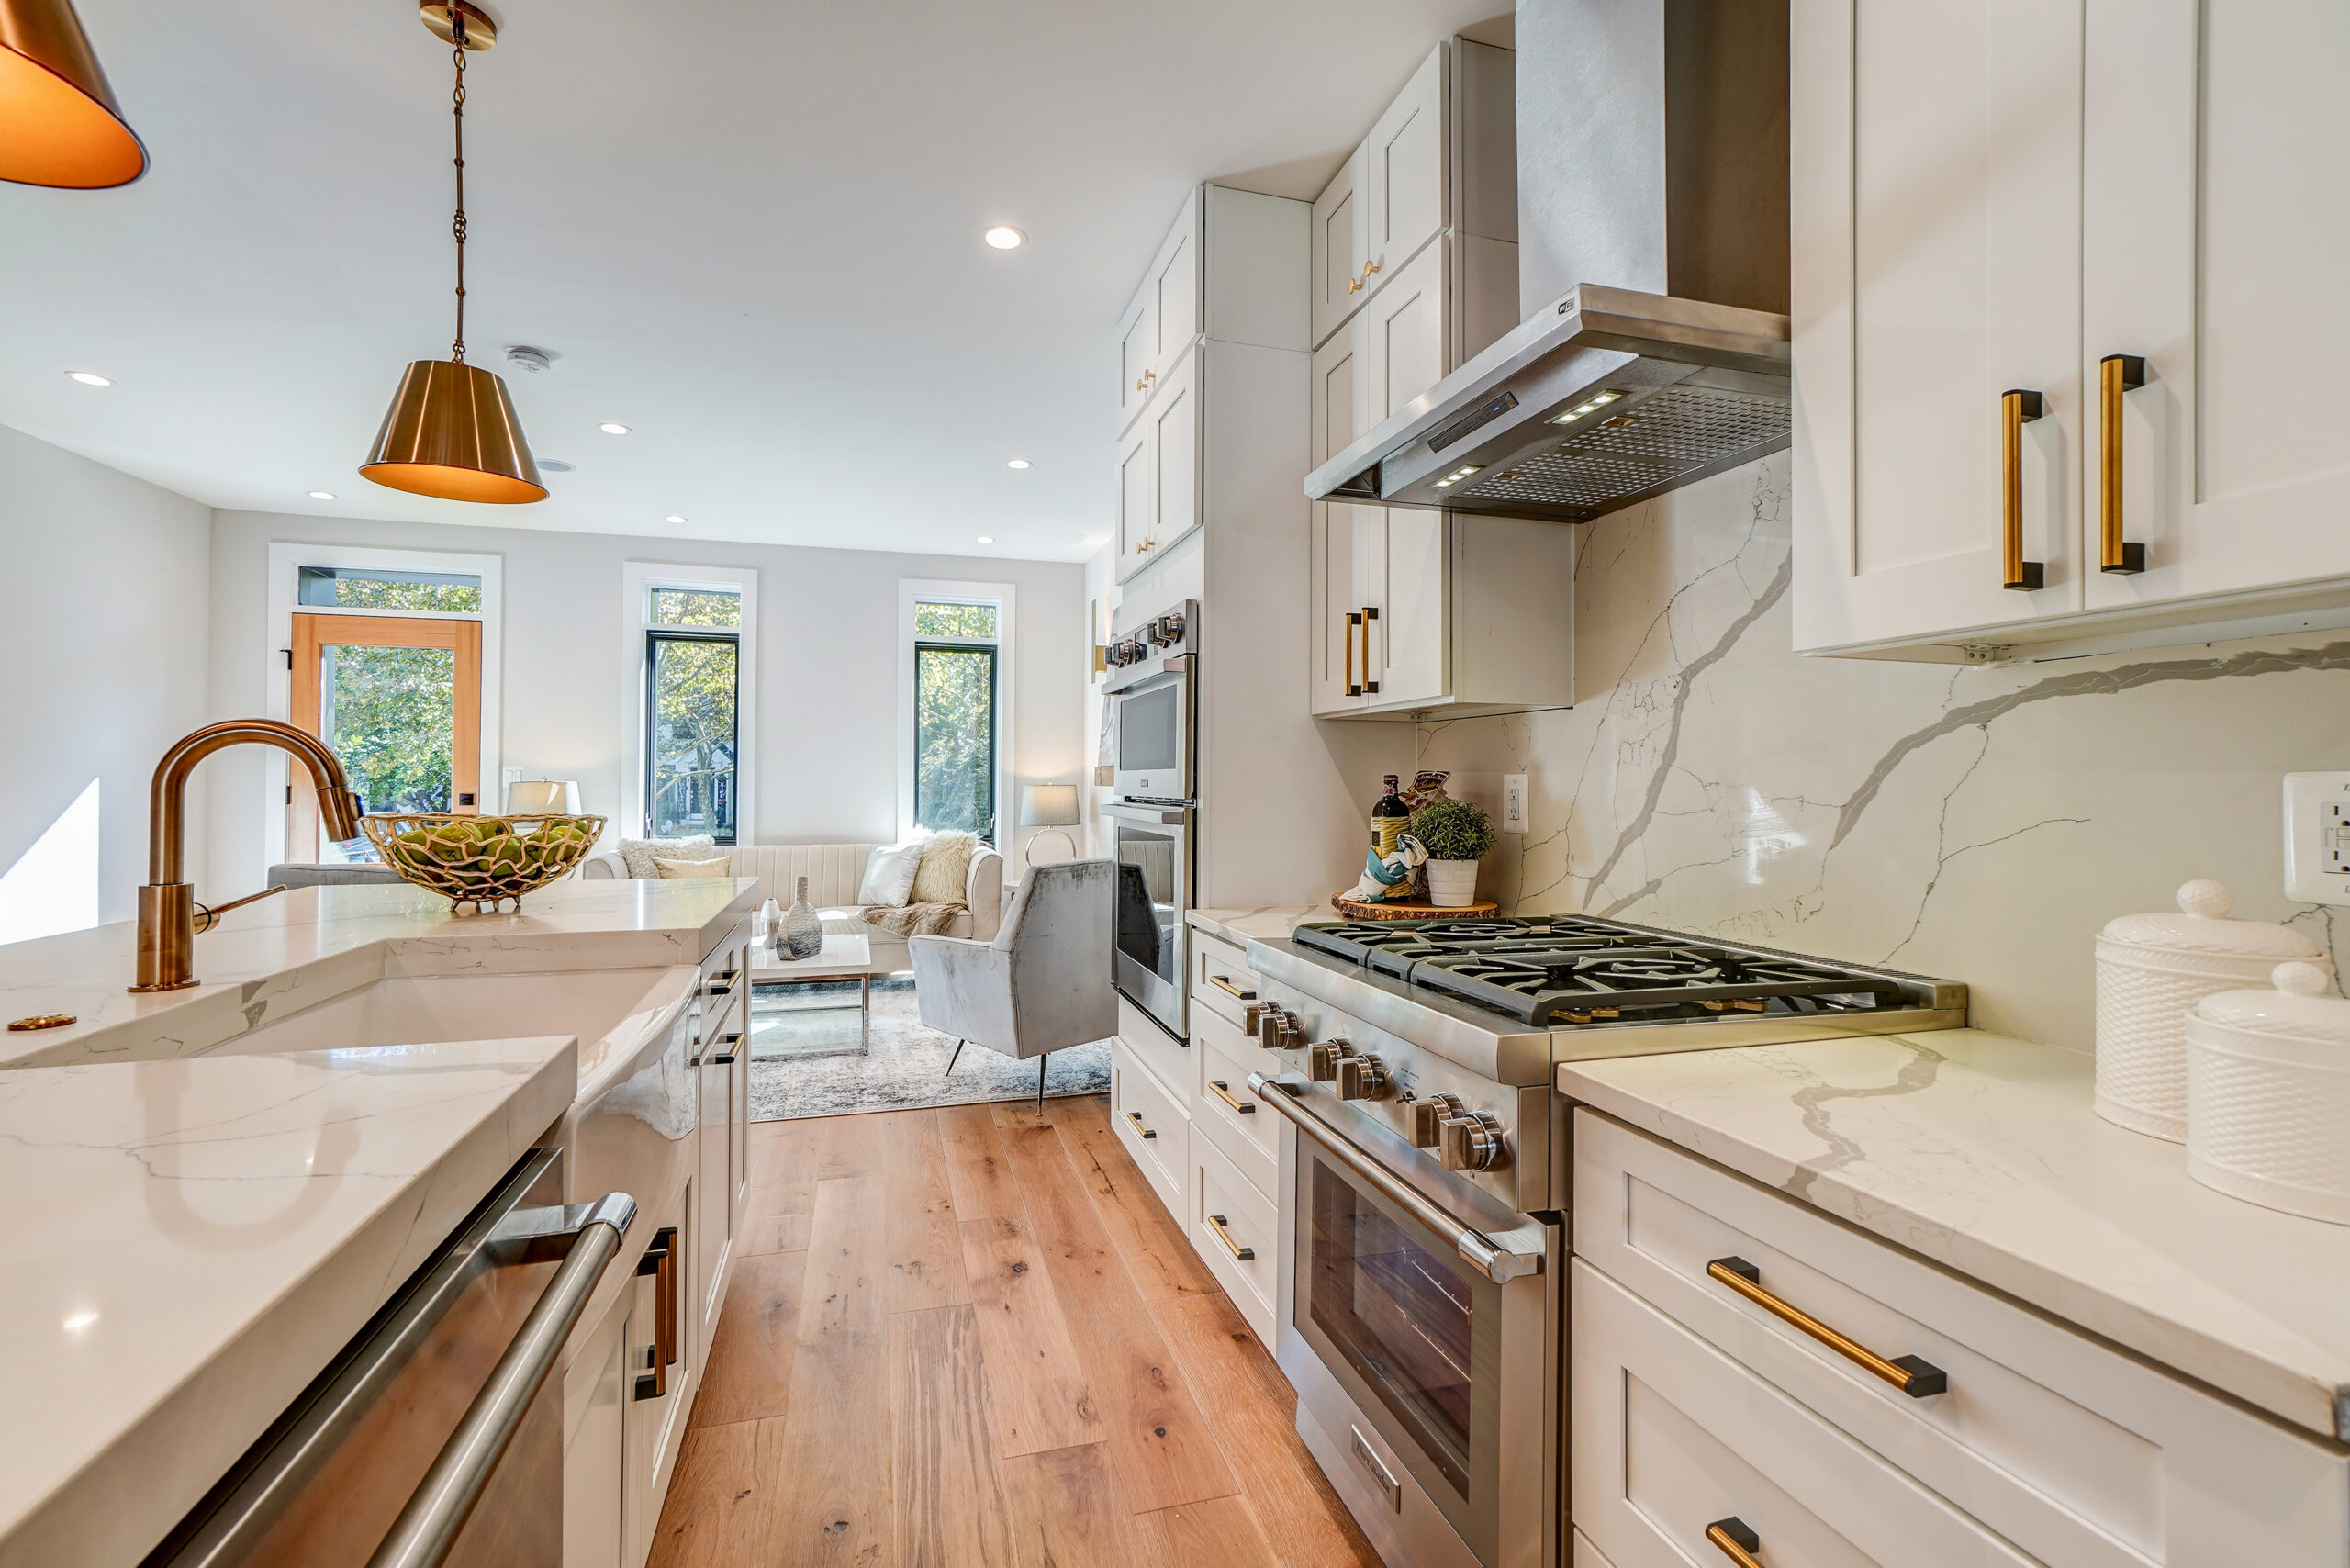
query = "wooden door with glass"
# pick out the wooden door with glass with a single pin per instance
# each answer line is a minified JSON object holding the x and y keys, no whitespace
{"x":398,"y":698}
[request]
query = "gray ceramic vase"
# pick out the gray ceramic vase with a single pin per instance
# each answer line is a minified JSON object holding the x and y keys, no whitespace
{"x":804,"y":933}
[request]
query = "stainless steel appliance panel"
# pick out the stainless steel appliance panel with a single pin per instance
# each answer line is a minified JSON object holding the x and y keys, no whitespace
{"x":1152,"y":845}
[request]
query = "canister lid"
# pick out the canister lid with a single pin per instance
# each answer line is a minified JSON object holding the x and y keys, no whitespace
{"x":2201,"y":925}
{"x":2300,"y":1006}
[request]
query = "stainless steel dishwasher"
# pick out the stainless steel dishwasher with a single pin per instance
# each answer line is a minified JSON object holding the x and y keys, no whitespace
{"x":436,"y":1436}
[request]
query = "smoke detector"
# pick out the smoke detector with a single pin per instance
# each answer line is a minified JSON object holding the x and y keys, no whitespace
{"x":522,"y":357}
{"x":555,"y":465}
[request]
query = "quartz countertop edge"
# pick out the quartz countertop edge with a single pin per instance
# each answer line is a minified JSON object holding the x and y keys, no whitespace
{"x":1269,"y":922}
{"x":1983,"y":1154}
{"x":195,"y":1240}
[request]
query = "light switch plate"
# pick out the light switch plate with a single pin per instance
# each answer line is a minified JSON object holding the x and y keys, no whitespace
{"x":1515,"y":802}
{"x":2317,"y":837}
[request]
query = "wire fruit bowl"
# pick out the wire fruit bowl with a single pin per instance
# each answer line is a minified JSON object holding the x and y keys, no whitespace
{"x":481,"y":860}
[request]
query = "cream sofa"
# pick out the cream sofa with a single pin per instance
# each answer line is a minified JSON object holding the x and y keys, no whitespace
{"x":833,"y":872}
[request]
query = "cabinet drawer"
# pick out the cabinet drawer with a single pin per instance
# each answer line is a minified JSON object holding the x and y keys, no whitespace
{"x":1172,"y":1059}
{"x":1226,"y":1114}
{"x":1219,"y":971}
{"x":2076,"y":1454}
{"x":1151,"y":1124}
{"x":1670,"y":1436}
{"x":1230,"y":1217}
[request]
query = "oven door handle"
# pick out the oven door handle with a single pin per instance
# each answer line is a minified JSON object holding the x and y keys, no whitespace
{"x":1480,"y":1251}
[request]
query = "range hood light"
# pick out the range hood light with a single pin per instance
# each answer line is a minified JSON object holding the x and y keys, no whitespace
{"x":1457,"y":474}
{"x":1598,"y":401}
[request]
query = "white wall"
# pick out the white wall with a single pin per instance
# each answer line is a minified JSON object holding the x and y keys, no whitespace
{"x":827,"y":671}
{"x":103,"y":646}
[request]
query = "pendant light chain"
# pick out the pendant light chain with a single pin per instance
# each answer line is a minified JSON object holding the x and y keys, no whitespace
{"x":457,"y":227}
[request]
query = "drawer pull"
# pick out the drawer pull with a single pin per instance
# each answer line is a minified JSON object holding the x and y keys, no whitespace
{"x":2117,"y":373}
{"x":1222,"y":1091}
{"x":1735,"y":1541}
{"x":2015,"y":410}
{"x":1135,"y":1117}
{"x":1912,"y":1376}
{"x":1243,"y":994}
{"x":1241,"y":1254}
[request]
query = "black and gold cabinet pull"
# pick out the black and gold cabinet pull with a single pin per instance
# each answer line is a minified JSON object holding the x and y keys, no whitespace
{"x":1736,"y":1540}
{"x":1913,"y":1376}
{"x":2116,"y":374}
{"x":2017,"y":409}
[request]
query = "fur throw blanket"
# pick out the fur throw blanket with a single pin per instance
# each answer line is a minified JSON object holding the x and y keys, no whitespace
{"x":913,"y":919}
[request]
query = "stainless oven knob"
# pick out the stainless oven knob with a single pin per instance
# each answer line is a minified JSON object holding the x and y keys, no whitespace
{"x":1322,"y":1060}
{"x":1278,"y":1029}
{"x":1427,"y":1118}
{"x":1167,"y":629}
{"x":1472,"y":1141}
{"x":1361,"y":1077}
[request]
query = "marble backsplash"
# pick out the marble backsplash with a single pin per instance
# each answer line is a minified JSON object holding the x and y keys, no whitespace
{"x":1977,"y":824}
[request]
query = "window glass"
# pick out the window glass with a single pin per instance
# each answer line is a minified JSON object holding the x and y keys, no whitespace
{"x":355,"y":587}
{"x":955,"y":738}
{"x":690,"y":715}
{"x":968,"y":623}
{"x":696,"y":607}
{"x":390,"y":715}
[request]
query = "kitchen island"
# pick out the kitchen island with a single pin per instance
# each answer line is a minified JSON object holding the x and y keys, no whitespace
{"x":225,"y":1183}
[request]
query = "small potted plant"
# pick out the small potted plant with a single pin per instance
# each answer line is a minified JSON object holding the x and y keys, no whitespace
{"x":1457,"y":835}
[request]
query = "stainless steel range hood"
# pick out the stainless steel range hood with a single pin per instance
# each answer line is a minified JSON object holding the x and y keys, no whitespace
{"x":1652,"y":221}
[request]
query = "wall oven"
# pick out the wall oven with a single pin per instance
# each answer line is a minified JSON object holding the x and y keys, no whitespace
{"x":1152,"y":845}
{"x":1151,"y":693}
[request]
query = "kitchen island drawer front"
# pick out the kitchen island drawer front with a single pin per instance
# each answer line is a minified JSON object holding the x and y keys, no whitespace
{"x":1227,"y":1115}
{"x":1237,"y":1229}
{"x":1670,"y":1436}
{"x":2074,"y":1452}
{"x":1175,"y":1060}
{"x":1151,"y":1124}
{"x":1221,"y":978}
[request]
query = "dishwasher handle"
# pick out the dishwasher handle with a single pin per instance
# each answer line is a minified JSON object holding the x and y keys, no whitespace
{"x":427,"y":1529}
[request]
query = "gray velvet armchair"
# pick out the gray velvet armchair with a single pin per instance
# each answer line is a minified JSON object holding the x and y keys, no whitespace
{"x":1043,"y":984}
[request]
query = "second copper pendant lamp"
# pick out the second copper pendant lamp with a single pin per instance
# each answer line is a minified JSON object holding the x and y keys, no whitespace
{"x":451,"y":431}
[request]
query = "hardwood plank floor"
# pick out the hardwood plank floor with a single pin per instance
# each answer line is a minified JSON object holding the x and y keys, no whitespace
{"x":972,"y":1336}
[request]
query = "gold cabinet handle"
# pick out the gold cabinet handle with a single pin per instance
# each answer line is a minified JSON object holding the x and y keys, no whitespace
{"x":1354,"y":285}
{"x":1369,"y":615}
{"x":2017,"y":409}
{"x":1370,"y":271}
{"x":1912,"y":1376}
{"x":1240,"y":1254}
{"x":1222,"y":1091}
{"x":1135,"y":1117}
{"x":1225,"y":984}
{"x":1140,"y":383}
{"x":1736,"y":1540}
{"x":2117,"y":373}
{"x":1354,"y":619}
{"x":1145,"y":547}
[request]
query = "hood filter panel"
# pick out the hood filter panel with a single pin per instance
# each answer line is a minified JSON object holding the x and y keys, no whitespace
{"x":1674,"y":434}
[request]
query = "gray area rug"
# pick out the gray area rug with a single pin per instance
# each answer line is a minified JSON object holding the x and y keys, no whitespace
{"x":813,"y":1055}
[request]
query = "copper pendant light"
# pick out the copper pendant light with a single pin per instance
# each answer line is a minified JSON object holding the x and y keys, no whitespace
{"x":451,"y":431}
{"x":58,"y":123}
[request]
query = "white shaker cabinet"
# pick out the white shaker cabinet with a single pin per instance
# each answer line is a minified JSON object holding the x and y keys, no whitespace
{"x":1163,"y":318}
{"x":1338,"y":248}
{"x":1158,"y":469}
{"x":2129,"y":213}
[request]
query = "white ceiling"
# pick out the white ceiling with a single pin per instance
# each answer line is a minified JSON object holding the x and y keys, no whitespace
{"x":751,"y":231}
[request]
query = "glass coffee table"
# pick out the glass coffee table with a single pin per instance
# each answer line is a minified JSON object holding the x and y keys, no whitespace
{"x":844,"y":957}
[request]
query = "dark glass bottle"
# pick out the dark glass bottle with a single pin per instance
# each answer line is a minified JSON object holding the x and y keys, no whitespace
{"x":1389,"y":818}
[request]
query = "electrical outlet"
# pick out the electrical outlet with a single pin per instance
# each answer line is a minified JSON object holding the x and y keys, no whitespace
{"x":1517,"y":802}
{"x":2317,"y":837}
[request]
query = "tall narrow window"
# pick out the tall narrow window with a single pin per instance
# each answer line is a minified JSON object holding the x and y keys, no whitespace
{"x":955,"y":662}
{"x":692,"y":699}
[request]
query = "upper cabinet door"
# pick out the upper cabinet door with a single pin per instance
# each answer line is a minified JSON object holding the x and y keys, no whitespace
{"x":1415,"y":641}
{"x":1138,"y":344}
{"x":1404,"y":338}
{"x":1403,"y":173}
{"x":1338,"y":250}
{"x":1174,"y":421}
{"x":1935,"y":188}
{"x":1138,"y":496}
{"x":1163,"y":318}
{"x":1334,"y":637}
{"x":2216,"y":214}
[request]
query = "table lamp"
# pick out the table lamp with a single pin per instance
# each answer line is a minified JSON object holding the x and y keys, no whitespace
{"x":544,"y":795}
{"x":1048,"y":806}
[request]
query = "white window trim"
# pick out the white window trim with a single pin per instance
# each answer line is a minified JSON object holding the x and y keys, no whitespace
{"x":287,"y":559}
{"x":910,"y":590}
{"x":637,"y":579}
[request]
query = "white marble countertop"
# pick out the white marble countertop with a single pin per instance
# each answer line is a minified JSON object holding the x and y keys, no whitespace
{"x":1982,"y":1153}
{"x":1271,"y":924}
{"x":289,"y":951}
{"x":191,"y":1241}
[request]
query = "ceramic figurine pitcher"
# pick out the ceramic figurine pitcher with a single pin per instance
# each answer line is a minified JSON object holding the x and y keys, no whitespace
{"x":804,"y":933}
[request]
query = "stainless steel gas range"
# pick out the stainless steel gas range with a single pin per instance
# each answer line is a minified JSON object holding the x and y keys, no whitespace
{"x":1425,"y":1173}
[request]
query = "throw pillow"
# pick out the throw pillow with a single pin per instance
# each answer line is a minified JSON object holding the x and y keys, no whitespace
{"x":636,"y":854}
{"x":890,"y":874}
{"x":946,"y":866}
{"x":668,"y":868}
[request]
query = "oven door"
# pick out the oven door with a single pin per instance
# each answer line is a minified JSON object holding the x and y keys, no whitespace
{"x":1152,"y":737}
{"x":1152,"y":846}
{"x":1455,"y":1369}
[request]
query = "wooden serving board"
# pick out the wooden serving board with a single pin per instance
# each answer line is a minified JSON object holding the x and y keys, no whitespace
{"x":1411,"y":908}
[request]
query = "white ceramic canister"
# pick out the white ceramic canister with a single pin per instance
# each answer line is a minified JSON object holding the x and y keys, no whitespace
{"x":2151,"y":971}
{"x":2269,"y":1095}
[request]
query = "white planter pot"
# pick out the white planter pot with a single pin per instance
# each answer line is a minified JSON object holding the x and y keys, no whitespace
{"x":1453,"y":884}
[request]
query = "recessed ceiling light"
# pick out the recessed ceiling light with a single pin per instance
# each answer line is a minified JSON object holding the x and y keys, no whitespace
{"x":88,"y":379}
{"x":608,"y":428}
{"x":1017,"y":463}
{"x":322,"y":495}
{"x":80,"y":1320}
{"x":987,"y":538}
{"x":673,"y":517}
{"x":555,"y":465}
{"x":1005,"y":237}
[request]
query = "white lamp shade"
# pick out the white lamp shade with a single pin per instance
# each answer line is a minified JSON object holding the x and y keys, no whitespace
{"x":544,"y":795}
{"x":1049,"y":805}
